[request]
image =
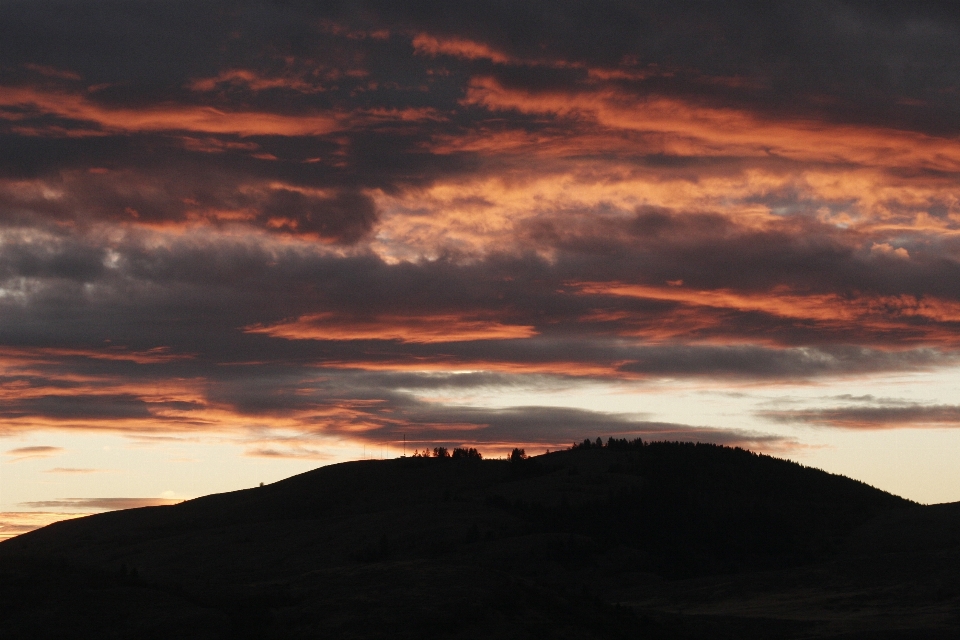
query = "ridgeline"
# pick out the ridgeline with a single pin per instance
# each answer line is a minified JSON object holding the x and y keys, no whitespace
{"x":624,"y":540}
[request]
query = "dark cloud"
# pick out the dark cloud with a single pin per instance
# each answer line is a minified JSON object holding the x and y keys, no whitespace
{"x":556,"y":426}
{"x":197,"y":297}
{"x":88,"y":407}
{"x":750,"y":361}
{"x":167,"y":196}
{"x":872,"y":417}
{"x":59,"y":257}
{"x":406,"y":417}
{"x":110,"y":504}
{"x":21,"y":453}
{"x":878,"y":62}
{"x":343,"y":217}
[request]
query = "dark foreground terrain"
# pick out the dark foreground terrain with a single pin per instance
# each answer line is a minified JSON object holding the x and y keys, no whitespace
{"x":663,"y":540}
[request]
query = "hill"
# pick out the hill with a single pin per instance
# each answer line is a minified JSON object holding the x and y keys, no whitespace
{"x":658,"y":540}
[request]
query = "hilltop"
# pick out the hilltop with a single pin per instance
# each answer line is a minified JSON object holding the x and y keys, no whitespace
{"x":659,"y":539}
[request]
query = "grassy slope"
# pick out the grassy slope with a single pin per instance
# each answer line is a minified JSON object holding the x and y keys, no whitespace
{"x":426,"y":547}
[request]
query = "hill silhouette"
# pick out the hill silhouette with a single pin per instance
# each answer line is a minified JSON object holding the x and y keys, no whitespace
{"x":658,"y":540}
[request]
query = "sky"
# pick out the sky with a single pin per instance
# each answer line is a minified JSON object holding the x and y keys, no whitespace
{"x":239,"y":240}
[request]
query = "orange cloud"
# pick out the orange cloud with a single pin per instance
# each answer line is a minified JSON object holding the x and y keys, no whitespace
{"x":459,"y":47}
{"x":215,"y":145}
{"x":253,"y":81}
{"x":444,"y":364}
{"x":409,"y":114}
{"x":292,"y":453}
{"x":415,"y":329}
{"x":581,"y":168}
{"x":886,"y":249}
{"x":120,"y":354}
{"x":861,"y":312}
{"x":52,"y":72}
{"x":783,"y":303}
{"x":14,"y":523}
{"x":165,"y":117}
{"x":426,"y":44}
{"x":715,"y":131}
{"x":544,"y":182}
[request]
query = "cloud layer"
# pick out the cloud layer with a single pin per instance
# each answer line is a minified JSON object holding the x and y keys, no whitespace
{"x":319,"y":219}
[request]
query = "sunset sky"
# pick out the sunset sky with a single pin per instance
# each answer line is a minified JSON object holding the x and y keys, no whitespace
{"x":239,"y":240}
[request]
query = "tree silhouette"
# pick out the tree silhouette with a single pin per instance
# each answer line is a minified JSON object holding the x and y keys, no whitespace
{"x":463,"y":453}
